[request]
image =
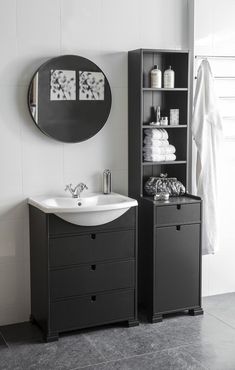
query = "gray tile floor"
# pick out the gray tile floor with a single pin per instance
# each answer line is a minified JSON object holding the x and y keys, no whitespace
{"x":179,"y":342}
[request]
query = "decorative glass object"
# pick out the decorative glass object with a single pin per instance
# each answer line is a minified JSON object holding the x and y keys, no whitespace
{"x":164,"y":184}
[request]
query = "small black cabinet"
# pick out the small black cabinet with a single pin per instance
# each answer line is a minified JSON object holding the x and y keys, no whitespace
{"x":170,"y":256}
{"x":82,"y":276}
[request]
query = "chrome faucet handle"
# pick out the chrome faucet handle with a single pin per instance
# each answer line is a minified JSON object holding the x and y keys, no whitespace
{"x":79,"y":189}
{"x":76,"y":191}
{"x":70,"y":189}
{"x":67,"y":187}
{"x":82,"y":186}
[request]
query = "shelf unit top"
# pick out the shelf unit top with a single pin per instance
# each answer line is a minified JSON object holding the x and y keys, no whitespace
{"x":183,"y":199}
{"x":185,"y":51}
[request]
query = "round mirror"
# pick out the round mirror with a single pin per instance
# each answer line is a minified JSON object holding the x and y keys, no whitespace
{"x":69,"y":98}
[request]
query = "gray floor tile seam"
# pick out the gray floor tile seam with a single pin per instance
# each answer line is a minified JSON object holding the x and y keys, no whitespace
{"x":141,"y":355}
{"x":24,"y":340}
{"x":94,"y":346}
{"x":4,"y":340}
{"x":219,"y":319}
{"x":195,"y":359}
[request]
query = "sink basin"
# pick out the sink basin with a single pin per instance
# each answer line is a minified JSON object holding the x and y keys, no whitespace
{"x":94,"y":209}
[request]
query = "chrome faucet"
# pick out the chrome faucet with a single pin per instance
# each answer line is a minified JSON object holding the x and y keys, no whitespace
{"x":77,"y":190}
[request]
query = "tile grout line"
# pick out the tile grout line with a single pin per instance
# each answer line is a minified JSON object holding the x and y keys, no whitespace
{"x":20,"y":126}
{"x":4,"y":340}
{"x":93,"y":346}
{"x":61,"y":5}
{"x":37,"y":338}
{"x":197,"y":361}
{"x":138,"y":355}
{"x":219,"y":319}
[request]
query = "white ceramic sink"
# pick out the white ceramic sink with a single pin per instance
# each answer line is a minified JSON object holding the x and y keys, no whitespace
{"x":93,"y":209}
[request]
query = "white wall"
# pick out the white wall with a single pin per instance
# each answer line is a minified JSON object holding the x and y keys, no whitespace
{"x":30,"y":163}
{"x":214,"y":34}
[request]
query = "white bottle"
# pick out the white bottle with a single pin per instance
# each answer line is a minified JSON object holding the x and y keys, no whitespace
{"x":169,"y":78}
{"x":156,"y":78}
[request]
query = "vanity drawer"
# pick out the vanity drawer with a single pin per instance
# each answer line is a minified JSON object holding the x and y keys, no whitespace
{"x":92,"y":248}
{"x":177,"y":214}
{"x":92,"y":278}
{"x":92,"y":310}
{"x":57,"y":226}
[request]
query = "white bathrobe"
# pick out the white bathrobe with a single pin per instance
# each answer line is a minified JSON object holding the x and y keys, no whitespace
{"x":207,"y":133}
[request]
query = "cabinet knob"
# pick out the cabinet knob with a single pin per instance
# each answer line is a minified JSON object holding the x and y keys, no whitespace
{"x":178,"y":206}
{"x":93,"y":298}
{"x":93,"y":267}
{"x":178,"y":227}
{"x":93,"y":236}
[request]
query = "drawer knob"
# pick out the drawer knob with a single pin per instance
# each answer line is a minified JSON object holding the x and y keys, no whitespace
{"x":93,"y":236}
{"x":178,"y":206}
{"x":93,"y":267}
{"x":178,"y":227}
{"x":93,"y":298}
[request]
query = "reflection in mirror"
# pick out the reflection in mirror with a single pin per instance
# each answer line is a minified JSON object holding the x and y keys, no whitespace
{"x":33,"y":98}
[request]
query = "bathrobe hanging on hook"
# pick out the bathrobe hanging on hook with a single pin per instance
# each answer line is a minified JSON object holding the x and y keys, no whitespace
{"x":207,"y":133}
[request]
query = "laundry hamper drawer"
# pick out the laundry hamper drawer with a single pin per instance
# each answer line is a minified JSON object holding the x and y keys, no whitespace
{"x":177,"y":263}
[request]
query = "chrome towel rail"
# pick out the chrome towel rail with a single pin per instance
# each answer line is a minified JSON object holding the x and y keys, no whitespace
{"x":225,"y":57}
{"x":214,"y":56}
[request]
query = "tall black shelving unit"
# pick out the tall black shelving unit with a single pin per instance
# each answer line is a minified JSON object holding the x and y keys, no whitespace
{"x":157,"y":218}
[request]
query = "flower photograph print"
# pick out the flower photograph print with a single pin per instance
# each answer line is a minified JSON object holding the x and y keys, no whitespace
{"x":63,"y":85}
{"x":91,"y":85}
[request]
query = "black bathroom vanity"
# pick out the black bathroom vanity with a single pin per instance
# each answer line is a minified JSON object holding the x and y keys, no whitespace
{"x":169,"y":232}
{"x":82,"y":276}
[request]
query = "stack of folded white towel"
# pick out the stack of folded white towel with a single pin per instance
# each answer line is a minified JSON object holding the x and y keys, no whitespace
{"x":157,"y":147}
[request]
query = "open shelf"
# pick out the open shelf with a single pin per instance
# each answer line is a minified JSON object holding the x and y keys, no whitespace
{"x":151,"y":99}
{"x":143,"y":102}
{"x":163,"y":162}
{"x":164,"y":89}
{"x":168,"y":126}
{"x":177,"y":169}
{"x":177,"y":138}
{"x":164,"y":59}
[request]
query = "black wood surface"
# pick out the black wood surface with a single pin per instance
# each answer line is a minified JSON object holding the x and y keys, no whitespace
{"x":91,"y":310}
{"x":93,"y":247}
{"x":96,"y":277}
{"x":169,"y":233}
{"x":177,"y":214}
{"x":39,"y":267}
{"x":82,"y":276}
{"x":177,"y":262}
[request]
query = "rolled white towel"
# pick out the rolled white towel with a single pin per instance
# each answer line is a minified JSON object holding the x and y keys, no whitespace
{"x":156,"y":133}
{"x":156,"y":142}
{"x":159,"y":157}
{"x":169,"y":149}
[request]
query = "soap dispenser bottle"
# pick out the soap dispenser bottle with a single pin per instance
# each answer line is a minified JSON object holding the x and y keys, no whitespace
{"x":156,"y":78}
{"x":169,"y":78}
{"x":107,"y":182}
